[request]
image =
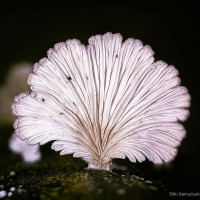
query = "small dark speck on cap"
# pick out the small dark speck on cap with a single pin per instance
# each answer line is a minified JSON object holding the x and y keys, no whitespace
{"x":69,"y":78}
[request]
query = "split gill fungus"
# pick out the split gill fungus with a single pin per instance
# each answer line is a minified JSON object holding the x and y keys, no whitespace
{"x":103,"y":101}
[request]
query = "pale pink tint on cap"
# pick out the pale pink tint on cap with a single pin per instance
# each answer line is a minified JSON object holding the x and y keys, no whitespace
{"x":103,"y":101}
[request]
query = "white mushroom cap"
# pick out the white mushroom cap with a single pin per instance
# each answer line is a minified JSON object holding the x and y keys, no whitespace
{"x":107,"y":100}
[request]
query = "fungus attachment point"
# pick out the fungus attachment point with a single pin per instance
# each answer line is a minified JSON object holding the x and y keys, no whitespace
{"x":120,"y":103}
{"x":101,"y":166}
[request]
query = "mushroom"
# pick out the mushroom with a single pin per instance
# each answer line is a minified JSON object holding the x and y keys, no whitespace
{"x":103,"y":101}
{"x":29,"y":154}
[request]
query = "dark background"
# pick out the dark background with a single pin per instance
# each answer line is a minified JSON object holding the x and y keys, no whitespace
{"x":27,"y":31}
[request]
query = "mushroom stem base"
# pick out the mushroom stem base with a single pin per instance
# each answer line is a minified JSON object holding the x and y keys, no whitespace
{"x":101,"y":166}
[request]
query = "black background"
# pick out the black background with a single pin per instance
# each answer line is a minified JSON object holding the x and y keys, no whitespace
{"x":28,"y":30}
